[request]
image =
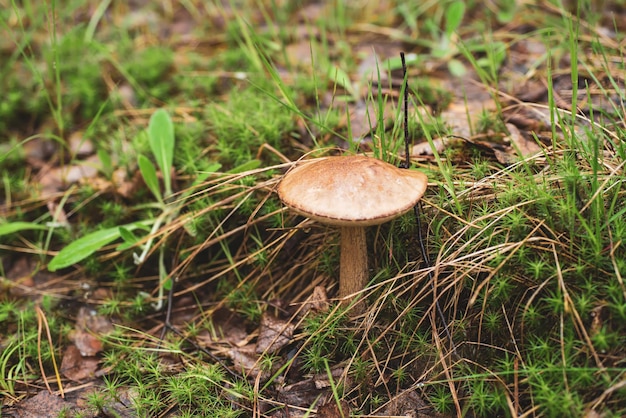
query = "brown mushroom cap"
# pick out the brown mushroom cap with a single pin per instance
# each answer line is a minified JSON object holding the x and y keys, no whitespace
{"x":351,"y":191}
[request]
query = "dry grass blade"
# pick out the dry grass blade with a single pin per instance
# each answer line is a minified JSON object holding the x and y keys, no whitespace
{"x":42,"y":323}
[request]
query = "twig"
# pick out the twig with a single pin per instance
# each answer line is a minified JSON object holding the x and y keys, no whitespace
{"x":417,"y":207}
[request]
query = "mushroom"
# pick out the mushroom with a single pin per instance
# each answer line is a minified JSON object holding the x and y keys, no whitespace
{"x":351,"y":192}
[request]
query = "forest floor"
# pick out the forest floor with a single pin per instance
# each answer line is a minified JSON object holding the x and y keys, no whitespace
{"x":148,"y":267}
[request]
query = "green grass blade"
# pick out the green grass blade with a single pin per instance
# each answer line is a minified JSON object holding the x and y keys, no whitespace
{"x":12,"y":227}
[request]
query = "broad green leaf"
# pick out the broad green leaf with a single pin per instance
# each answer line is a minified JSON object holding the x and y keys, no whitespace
{"x":149,"y":174}
{"x":127,"y":235}
{"x":85,"y":246}
{"x":454,"y":16}
{"x":161,"y":138}
{"x":12,"y":227}
{"x":130,"y":239}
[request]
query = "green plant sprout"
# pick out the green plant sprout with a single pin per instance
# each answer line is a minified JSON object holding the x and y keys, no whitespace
{"x":162,"y":142}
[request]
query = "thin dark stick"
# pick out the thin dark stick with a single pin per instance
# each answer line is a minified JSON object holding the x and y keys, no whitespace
{"x":170,"y":327}
{"x":405,"y":82}
{"x":168,"y":312}
{"x":417,"y":208}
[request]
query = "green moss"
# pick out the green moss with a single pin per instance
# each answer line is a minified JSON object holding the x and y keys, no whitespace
{"x":248,"y":119}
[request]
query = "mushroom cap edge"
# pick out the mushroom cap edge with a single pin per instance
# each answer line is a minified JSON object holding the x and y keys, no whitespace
{"x":351,"y":190}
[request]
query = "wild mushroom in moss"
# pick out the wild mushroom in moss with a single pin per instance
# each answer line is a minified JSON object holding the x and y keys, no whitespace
{"x":351,"y":192}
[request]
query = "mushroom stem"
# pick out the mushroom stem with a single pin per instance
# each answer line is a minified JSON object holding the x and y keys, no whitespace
{"x":353,"y":272}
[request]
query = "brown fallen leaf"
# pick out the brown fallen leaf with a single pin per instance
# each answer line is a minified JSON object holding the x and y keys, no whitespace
{"x":440,"y":144}
{"x":307,"y":393}
{"x":462,"y":118}
{"x":28,"y":280}
{"x":119,"y":406}
{"x":317,"y":302}
{"x":43,"y":404}
{"x":333,"y":410}
{"x":89,"y":327}
{"x":228,"y":327}
{"x":408,"y":404}
{"x":76,"y":367}
{"x":274,"y":334}
{"x":38,"y":151}
{"x":21,"y":275}
{"x":123,"y":406}
{"x":56,"y":179}
{"x":524,"y":146}
{"x":246,"y":359}
{"x":322,"y":380}
{"x":299,"y":396}
{"x":80,"y":146}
